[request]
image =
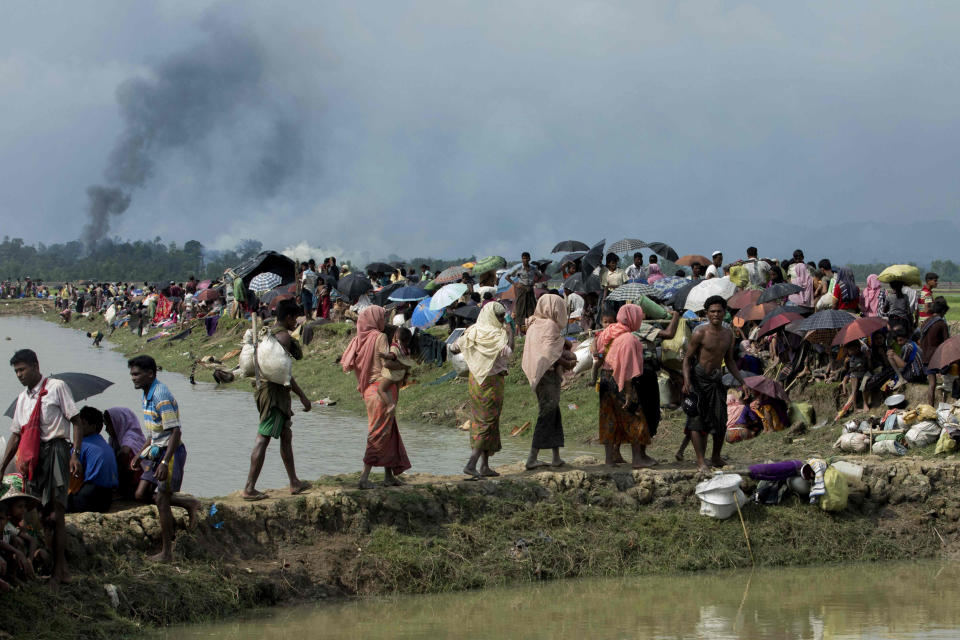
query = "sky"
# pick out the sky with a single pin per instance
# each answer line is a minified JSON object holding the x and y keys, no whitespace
{"x":450,"y":128}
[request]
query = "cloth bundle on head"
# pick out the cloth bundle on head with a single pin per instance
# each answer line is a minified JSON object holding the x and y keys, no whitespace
{"x":800,"y":276}
{"x":654,"y":273}
{"x":739,"y":276}
{"x":870,"y":300}
{"x":544,"y":343}
{"x":629,"y":318}
{"x":361,"y":351}
{"x":127,"y":427}
{"x":848,"y":285}
{"x":482,"y":343}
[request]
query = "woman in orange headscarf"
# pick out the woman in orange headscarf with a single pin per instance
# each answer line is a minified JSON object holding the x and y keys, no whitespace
{"x":621,"y":417}
{"x":364,"y":356}
{"x":545,"y":355}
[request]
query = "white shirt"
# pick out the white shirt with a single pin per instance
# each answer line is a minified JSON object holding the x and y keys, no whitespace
{"x":758,"y":272}
{"x":712,"y":272}
{"x":634,"y":272}
{"x":574,"y":305}
{"x":55,"y":412}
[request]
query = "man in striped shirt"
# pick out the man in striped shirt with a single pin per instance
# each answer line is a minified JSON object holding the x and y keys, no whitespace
{"x":165,"y":456}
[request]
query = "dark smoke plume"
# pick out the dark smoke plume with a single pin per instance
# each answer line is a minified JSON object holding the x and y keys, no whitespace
{"x":104,"y":202}
{"x":219,"y":85}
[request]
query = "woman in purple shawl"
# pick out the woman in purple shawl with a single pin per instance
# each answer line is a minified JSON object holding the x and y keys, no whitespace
{"x":127,"y":440}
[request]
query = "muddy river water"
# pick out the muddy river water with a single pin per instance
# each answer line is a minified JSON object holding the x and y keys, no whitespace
{"x":219,"y":425}
{"x":903,"y":601}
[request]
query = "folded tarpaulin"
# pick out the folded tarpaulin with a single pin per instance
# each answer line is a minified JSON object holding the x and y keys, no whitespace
{"x":774,"y":471}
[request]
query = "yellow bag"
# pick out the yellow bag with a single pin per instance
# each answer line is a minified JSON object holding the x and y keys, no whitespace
{"x":945,"y":444}
{"x":910,"y":417}
{"x":926,"y":412}
{"x":674,"y":349}
{"x":837,"y":491}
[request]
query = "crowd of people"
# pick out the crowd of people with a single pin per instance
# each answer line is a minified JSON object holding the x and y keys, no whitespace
{"x":573,"y":317}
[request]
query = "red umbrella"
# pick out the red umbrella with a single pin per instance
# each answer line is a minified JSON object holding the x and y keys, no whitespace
{"x":208,"y":295}
{"x":946,"y":354}
{"x":744,"y":299}
{"x":755,"y":312}
{"x":778,"y":321}
{"x":204,"y":285}
{"x":692,"y":259}
{"x":859,"y":328}
{"x":767,"y":387}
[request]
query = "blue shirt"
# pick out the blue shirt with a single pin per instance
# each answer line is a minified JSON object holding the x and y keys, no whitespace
{"x":161,"y":415}
{"x":99,"y":462}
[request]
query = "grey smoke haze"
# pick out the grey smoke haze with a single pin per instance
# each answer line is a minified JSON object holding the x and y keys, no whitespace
{"x":455,"y":128}
{"x":180,"y":104}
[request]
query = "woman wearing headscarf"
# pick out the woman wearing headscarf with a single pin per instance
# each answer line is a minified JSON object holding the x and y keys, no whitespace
{"x":127,"y":440}
{"x":545,"y":355}
{"x":872,"y":298}
{"x":800,"y":276}
{"x":621,"y":416}
{"x":365,"y":357}
{"x":846,"y":291}
{"x":486,"y":347}
{"x":654,"y":273}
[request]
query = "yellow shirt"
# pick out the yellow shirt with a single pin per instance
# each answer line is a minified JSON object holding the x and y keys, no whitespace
{"x":612,"y":279}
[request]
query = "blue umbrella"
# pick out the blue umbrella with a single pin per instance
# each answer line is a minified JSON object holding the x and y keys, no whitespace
{"x":667,"y":287}
{"x":408,"y":294}
{"x":423,"y":317}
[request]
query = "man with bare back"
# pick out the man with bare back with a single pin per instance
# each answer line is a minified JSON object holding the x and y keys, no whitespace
{"x":709,"y":347}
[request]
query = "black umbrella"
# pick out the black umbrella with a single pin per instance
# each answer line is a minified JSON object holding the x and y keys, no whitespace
{"x":627,"y":244}
{"x":282,"y":290}
{"x":354,"y":285}
{"x":679,"y":299}
{"x":542,"y":264}
{"x":570,"y":245}
{"x":82,"y":386}
{"x":578,"y":284}
{"x":829,"y":319}
{"x":381,"y":297}
{"x":470,"y":312}
{"x":594,"y":257}
{"x":379,"y":267}
{"x":777,"y":291}
{"x":572,"y":257}
{"x":804,"y":311}
{"x":663,"y":250}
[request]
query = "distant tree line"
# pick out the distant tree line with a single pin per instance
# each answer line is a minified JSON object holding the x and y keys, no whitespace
{"x":113,"y":260}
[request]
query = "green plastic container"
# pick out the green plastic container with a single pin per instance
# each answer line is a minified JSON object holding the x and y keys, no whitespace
{"x":652,"y":310}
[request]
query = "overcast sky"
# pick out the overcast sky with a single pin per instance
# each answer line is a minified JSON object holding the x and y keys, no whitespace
{"x":448,"y":128}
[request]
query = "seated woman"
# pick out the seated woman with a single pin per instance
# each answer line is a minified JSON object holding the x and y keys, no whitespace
{"x":906,"y":357}
{"x":126,"y":440}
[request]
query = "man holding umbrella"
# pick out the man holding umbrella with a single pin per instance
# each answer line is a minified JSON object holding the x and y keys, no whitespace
{"x":41,"y":421}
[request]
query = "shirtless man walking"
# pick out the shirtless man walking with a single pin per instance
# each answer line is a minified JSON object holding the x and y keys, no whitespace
{"x":709,"y":347}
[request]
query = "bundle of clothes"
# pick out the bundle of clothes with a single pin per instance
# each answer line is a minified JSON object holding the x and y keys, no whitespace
{"x":901,"y":428}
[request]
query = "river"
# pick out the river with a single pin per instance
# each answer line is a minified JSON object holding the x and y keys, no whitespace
{"x":219,"y":424}
{"x":891,"y":600}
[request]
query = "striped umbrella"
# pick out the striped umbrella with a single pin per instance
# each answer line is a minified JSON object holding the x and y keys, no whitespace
{"x":829,"y":319}
{"x":451,"y":274}
{"x":264,"y":282}
{"x":632,"y":291}
{"x":627,"y":244}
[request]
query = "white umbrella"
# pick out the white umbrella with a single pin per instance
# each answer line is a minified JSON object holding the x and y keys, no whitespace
{"x":722,"y":287}
{"x":447,"y":295}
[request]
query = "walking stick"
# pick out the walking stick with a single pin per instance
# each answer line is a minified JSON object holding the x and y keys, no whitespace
{"x":743,"y":524}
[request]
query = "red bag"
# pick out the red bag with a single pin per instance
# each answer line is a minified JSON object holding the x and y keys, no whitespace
{"x":28,"y":453}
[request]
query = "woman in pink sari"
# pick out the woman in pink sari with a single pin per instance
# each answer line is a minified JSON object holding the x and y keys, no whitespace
{"x":363,"y":357}
{"x":872,"y":298}
{"x":800,"y":276}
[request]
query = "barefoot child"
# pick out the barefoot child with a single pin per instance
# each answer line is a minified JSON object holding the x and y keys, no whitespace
{"x":400,"y":352}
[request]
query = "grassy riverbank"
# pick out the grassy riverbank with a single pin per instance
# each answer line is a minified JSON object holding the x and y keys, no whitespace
{"x":436,"y":536}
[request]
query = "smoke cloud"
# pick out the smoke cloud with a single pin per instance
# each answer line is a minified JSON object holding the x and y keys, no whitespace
{"x":217,"y":90}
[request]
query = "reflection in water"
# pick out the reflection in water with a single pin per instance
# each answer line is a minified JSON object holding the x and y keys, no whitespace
{"x":915,"y":600}
{"x":219,"y":425}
